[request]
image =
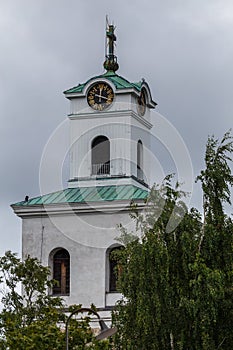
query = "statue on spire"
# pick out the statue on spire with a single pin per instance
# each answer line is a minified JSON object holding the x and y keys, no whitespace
{"x":110,"y":63}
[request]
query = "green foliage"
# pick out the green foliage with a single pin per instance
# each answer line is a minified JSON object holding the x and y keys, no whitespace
{"x":177,"y":275}
{"x":217,"y":179}
{"x":33,"y":319}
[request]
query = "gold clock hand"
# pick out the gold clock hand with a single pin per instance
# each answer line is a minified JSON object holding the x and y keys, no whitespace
{"x":100,"y":94}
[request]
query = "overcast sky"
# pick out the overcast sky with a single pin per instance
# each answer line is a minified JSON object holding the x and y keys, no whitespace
{"x":183,"y":48}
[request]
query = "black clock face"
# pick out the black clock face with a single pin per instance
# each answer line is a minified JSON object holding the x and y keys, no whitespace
{"x":100,"y":96}
{"x":141,"y":106}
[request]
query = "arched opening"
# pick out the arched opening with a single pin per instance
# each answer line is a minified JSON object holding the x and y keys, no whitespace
{"x":140,"y":160}
{"x":61,"y":272}
{"x":100,"y":156}
{"x":114,"y":268}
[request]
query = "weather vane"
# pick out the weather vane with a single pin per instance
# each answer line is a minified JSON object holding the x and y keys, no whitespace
{"x":110,"y":63}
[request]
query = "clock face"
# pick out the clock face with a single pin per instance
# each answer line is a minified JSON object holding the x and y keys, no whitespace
{"x":141,"y":106}
{"x":100,"y":96}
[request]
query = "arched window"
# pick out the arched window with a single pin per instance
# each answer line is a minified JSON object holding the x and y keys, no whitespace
{"x":61,"y":272}
{"x":140,"y":160}
{"x":114,"y":268}
{"x":100,"y":156}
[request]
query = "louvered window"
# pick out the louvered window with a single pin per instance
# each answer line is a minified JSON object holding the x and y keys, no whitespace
{"x":61,"y":272}
{"x":114,"y":269}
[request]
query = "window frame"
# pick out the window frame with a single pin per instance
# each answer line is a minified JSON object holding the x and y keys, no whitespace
{"x":60,"y":268}
{"x":140,"y":160}
{"x":100,"y":156}
{"x":111,"y":280}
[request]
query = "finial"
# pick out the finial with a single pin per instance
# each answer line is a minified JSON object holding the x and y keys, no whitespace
{"x":110,"y":63}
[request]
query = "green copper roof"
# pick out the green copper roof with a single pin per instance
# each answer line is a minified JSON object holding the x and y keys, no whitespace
{"x":117,"y":80}
{"x":89,"y":194}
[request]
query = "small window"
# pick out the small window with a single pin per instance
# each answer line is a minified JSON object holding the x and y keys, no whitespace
{"x":140,"y":160}
{"x":100,"y":154}
{"x":61,"y":272}
{"x":114,"y":268}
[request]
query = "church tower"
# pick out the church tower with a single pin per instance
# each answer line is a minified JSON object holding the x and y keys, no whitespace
{"x":74,"y":230}
{"x":110,"y":123}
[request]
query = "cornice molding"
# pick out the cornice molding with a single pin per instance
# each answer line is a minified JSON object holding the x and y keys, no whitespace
{"x":109,"y":114}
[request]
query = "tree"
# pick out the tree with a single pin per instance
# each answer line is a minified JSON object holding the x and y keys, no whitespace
{"x":177,"y":284}
{"x":33,"y":319}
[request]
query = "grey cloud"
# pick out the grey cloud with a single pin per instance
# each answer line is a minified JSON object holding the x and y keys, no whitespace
{"x":183,"y":49}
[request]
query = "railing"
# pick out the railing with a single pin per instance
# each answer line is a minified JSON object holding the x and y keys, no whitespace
{"x":101,"y":169}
